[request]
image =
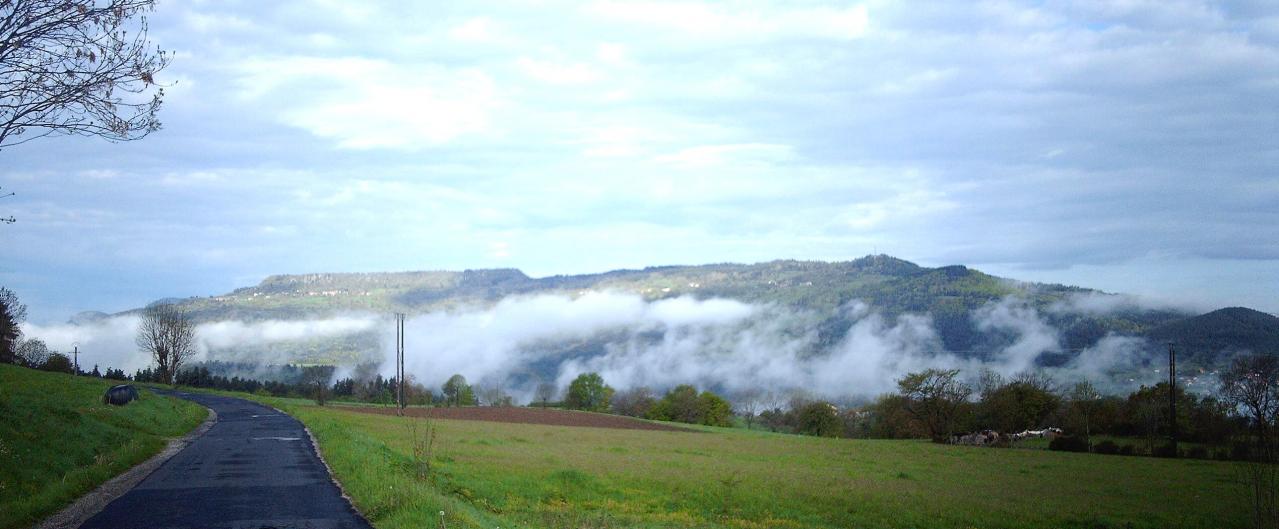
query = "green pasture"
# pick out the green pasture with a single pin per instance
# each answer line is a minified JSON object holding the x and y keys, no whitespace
{"x":484,"y":474}
{"x":59,"y":441}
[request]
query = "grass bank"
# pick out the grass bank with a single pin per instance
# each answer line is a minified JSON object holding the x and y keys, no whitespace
{"x":520,"y":475}
{"x":58,"y":441}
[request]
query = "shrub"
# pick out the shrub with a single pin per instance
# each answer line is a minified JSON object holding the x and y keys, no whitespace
{"x":1240,"y":451}
{"x":1127,"y":450}
{"x":588,"y":392}
{"x":685,"y":404}
{"x":634,"y":402}
{"x":775,"y":420}
{"x":1164,"y":450}
{"x":1197,"y":452}
{"x":58,"y":363}
{"x":715,"y":410}
{"x":680,"y":404}
{"x":818,"y":418}
{"x":1107,"y":447}
{"x":1068,"y":443}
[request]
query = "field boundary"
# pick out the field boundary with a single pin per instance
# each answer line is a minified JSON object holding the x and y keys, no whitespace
{"x":527,"y":415}
{"x":94,"y":501}
{"x":315,"y":445}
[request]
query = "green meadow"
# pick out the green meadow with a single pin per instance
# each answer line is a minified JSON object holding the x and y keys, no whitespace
{"x":483,"y":474}
{"x":59,"y":441}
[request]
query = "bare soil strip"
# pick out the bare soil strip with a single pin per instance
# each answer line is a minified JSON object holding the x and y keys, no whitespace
{"x":546,"y":416}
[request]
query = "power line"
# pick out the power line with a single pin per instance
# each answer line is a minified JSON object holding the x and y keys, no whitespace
{"x":9,"y":219}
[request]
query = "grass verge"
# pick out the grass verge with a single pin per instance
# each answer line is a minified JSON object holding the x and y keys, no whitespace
{"x":485,"y":474}
{"x":58,"y":440}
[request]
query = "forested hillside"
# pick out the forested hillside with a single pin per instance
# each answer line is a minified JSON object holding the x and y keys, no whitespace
{"x":1223,"y":331}
{"x":949,"y":295}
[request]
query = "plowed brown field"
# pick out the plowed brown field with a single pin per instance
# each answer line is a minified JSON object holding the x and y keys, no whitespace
{"x":527,"y":416}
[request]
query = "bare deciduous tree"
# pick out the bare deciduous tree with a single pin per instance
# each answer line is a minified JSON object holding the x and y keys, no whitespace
{"x":750,"y":403}
{"x":167,"y":333}
{"x":493,"y":395}
{"x":1084,"y":399}
{"x":544,"y":393}
{"x":32,"y":352}
{"x":318,"y":377}
{"x":1251,"y":385}
{"x":634,"y":402}
{"x":82,"y":67}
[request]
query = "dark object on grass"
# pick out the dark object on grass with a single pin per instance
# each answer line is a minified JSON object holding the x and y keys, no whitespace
{"x":1165,"y":450}
{"x":1068,"y":443}
{"x":1106,"y":447}
{"x":120,"y":395}
{"x":1240,"y":451}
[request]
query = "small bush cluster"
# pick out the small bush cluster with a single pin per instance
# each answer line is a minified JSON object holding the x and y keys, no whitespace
{"x":1068,"y":443}
{"x":1106,"y":447}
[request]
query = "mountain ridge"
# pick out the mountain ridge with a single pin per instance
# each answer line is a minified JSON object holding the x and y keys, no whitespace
{"x":949,"y":295}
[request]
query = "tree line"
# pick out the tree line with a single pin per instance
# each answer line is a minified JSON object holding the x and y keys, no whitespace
{"x":1233,"y":423}
{"x":939,"y":405}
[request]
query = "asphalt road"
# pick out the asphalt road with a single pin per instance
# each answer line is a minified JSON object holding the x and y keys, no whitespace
{"x":254,"y":468}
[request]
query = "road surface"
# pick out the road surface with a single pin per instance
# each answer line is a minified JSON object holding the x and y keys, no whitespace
{"x":254,"y":468}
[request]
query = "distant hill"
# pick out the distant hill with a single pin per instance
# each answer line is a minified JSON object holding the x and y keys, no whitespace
{"x":949,"y":294}
{"x":1207,"y":337}
{"x":88,"y":316}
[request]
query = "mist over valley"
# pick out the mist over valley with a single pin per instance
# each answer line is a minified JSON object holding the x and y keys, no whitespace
{"x":838,"y":330}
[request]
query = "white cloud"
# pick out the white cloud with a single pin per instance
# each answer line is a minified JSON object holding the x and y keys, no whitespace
{"x":371,"y":103}
{"x":500,"y":249}
{"x":735,"y":154}
{"x":110,"y":342}
{"x":478,"y":29}
{"x":1032,"y":335}
{"x":105,"y":343}
{"x":233,"y":333}
{"x":729,"y":21}
{"x":611,"y":53}
{"x":718,"y":343}
{"x":557,"y":73}
{"x":1101,"y":304}
{"x":907,"y":206}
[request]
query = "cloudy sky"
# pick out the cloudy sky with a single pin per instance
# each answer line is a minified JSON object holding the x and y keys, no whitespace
{"x":1128,"y":146}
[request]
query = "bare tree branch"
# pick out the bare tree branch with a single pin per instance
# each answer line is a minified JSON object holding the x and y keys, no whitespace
{"x":78,"y":67}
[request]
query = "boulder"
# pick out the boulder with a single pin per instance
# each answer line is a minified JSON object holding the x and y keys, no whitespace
{"x":120,"y":395}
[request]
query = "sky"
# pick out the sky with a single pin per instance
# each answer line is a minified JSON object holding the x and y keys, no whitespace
{"x":1128,"y":146}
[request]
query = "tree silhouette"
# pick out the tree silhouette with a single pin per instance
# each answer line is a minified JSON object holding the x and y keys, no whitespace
{"x":12,"y":314}
{"x":933,"y":397}
{"x":167,"y":333}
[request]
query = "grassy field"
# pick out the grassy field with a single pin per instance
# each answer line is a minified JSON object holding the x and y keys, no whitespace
{"x":58,"y":441}
{"x":486,"y":474}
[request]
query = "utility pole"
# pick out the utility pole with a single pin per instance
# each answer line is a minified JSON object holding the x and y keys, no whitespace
{"x":1172,"y":396}
{"x":76,"y":352}
{"x":399,"y":362}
